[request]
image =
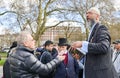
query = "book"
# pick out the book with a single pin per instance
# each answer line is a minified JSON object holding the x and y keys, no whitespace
{"x":77,"y":51}
{"x":81,"y":53}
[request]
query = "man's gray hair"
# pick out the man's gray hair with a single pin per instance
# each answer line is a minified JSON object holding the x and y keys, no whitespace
{"x":22,"y":37}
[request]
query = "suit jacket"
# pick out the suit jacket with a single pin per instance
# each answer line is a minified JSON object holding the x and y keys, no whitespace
{"x":98,"y":62}
{"x":71,"y":70}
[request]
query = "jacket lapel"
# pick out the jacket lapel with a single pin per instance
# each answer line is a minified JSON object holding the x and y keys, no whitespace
{"x":93,"y":32}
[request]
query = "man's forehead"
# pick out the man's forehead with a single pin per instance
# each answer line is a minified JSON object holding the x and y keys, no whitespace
{"x":90,"y":11}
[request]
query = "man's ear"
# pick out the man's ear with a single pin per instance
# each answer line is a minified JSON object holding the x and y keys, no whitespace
{"x":25,"y":43}
{"x":98,"y":16}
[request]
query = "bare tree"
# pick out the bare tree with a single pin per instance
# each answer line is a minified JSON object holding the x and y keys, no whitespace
{"x":7,"y":38}
{"x":33,"y":14}
{"x":78,"y":9}
{"x":114,"y":31}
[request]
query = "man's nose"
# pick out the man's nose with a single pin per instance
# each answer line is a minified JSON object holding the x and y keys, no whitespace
{"x":87,"y":15}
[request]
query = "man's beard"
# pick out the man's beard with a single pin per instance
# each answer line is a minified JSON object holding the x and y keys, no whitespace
{"x":91,"y":23}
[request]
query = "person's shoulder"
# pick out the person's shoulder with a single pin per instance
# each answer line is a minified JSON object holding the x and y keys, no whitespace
{"x":101,"y":26}
{"x":23,"y":53}
{"x":29,"y":56}
{"x":47,"y":53}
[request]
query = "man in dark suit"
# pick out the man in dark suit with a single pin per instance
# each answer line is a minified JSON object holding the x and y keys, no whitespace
{"x":98,"y":62}
{"x":69,"y":68}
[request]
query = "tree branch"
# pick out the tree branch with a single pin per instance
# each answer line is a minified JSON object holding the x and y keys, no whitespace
{"x":8,"y":12}
{"x":55,"y":25}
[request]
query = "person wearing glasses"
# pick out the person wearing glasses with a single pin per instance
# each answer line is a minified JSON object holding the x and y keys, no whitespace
{"x":23,"y":64}
{"x":116,"y":56}
{"x":98,"y":59}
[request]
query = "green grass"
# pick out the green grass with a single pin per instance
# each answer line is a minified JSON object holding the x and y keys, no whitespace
{"x":3,"y":54}
{"x":2,"y":62}
{"x":3,"y":58}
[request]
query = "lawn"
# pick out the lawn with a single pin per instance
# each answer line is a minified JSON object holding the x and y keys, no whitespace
{"x":3,"y":58}
{"x":2,"y":62}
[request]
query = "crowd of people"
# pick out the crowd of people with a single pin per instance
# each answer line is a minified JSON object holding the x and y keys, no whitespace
{"x":92,"y":58}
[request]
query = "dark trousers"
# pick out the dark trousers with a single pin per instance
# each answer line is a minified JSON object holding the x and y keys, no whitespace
{"x":81,"y":73}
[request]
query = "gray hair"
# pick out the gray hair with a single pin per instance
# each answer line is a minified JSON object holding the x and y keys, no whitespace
{"x":22,"y":37}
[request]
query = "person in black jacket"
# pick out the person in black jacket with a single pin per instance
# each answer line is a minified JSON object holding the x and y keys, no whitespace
{"x":23,"y":64}
{"x":6,"y":66}
{"x":46,"y":57}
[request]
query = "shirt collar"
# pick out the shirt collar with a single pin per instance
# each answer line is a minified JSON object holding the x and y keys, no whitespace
{"x":93,"y":26}
{"x":65,"y":51}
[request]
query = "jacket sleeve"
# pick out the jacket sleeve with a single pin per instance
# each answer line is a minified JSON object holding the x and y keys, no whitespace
{"x":35,"y":66}
{"x":101,"y":44}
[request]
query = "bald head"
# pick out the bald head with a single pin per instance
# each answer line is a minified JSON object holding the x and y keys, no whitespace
{"x":94,"y":10}
{"x":93,"y":16}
